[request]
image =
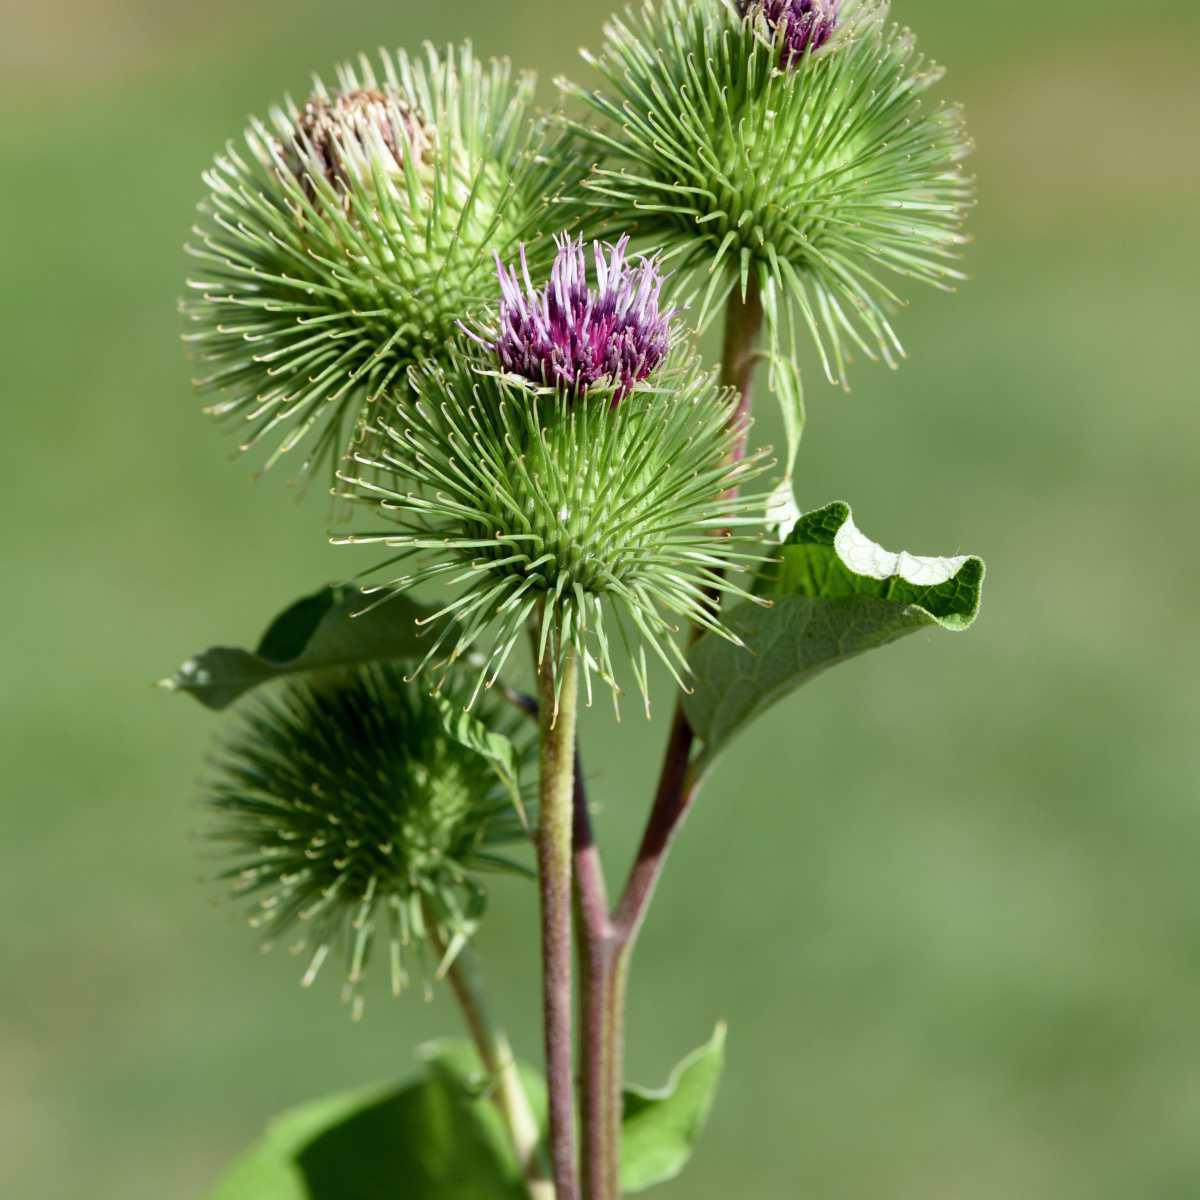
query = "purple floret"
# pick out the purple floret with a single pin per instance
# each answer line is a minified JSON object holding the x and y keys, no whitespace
{"x":807,"y":24}
{"x":568,"y":335}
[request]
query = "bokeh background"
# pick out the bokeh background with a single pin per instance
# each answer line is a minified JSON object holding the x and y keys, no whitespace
{"x":947,"y":897}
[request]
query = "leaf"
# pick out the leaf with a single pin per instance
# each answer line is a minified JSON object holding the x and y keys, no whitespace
{"x":470,"y":731}
{"x":834,"y":594}
{"x":436,"y":1138}
{"x":320,"y":631}
{"x":660,"y":1129}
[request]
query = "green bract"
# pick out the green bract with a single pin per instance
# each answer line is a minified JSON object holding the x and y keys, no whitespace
{"x":354,"y":813}
{"x":355,"y":232}
{"x":813,"y":182}
{"x":603,"y":515}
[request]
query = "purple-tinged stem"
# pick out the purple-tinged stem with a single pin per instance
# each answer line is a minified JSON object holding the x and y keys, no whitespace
{"x":677,"y":787}
{"x":675,"y":792}
{"x":554,"y":849}
{"x":595,"y":968}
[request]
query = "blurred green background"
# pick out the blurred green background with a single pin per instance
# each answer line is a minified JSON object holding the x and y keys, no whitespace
{"x":947,"y":897}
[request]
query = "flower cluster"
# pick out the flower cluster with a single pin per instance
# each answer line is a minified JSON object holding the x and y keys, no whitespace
{"x":566,"y":335}
{"x":354,"y":816}
{"x":802,"y":26}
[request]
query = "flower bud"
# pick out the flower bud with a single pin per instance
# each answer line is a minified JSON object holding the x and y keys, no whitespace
{"x":353,"y":236}
{"x":568,"y":465}
{"x":822,"y":183}
{"x":356,"y":821}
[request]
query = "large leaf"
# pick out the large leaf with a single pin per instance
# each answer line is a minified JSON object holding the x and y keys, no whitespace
{"x":437,"y":1138}
{"x":316,"y":633}
{"x":659,"y":1129}
{"x":834,"y":594}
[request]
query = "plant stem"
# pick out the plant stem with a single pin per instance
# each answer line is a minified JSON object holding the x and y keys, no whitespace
{"x":595,"y":962}
{"x":554,"y":845}
{"x":677,"y":786}
{"x":498,"y":1061}
{"x":743,"y":320}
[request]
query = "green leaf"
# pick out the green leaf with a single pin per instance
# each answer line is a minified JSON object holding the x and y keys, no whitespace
{"x":470,"y":731}
{"x":437,"y":1138}
{"x":834,"y":594}
{"x":659,"y":1129}
{"x":316,"y":633}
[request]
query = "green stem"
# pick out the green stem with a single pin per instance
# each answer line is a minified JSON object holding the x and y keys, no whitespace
{"x":495,"y":1053}
{"x":557,"y":713}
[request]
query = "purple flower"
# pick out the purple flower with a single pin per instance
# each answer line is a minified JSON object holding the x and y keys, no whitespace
{"x":806,"y":24}
{"x":568,"y":335}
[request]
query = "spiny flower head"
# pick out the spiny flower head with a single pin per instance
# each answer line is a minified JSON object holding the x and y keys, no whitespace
{"x":352,"y":234}
{"x":594,"y":515}
{"x":803,"y":25}
{"x":567,"y":334}
{"x":814,"y":179}
{"x":356,"y":819}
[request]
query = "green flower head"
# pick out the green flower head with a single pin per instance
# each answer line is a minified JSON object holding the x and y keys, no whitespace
{"x":353,"y":232}
{"x":570,"y":466}
{"x":355,"y":819}
{"x":792,"y":148}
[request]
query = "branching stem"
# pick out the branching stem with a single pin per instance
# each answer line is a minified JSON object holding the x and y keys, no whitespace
{"x":568,"y":858}
{"x":677,"y":783}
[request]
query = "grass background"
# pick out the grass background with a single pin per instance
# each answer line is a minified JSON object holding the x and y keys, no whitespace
{"x":947,"y":897}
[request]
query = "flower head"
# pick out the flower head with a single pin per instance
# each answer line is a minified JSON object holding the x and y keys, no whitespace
{"x":355,"y":232}
{"x":818,"y":185}
{"x":354,"y":816}
{"x":598,"y":507}
{"x":802,"y":25}
{"x":567,"y":335}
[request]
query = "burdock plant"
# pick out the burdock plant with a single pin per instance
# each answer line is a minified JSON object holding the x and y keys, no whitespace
{"x":485,"y":317}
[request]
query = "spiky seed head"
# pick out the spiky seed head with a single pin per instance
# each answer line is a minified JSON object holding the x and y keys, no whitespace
{"x":820,"y":176}
{"x":801,"y":26}
{"x":567,"y":334}
{"x":353,"y":231}
{"x":357,"y":824}
{"x":601,"y":505}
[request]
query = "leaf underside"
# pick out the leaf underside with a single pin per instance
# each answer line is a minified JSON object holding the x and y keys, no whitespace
{"x":834,"y":595}
{"x":436,"y":1138}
